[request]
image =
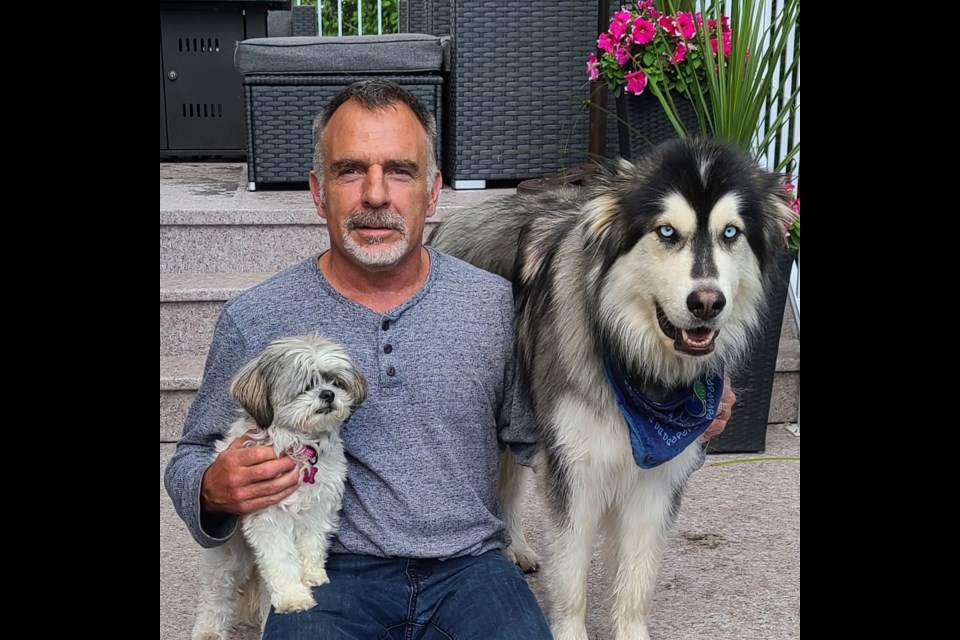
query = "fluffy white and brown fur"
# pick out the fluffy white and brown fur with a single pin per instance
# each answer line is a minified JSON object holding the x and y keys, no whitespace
{"x":662,"y":267}
{"x":296,"y":393}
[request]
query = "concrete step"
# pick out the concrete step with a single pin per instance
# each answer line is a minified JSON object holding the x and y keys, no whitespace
{"x":209,"y":222}
{"x":190,"y":304}
{"x":179,"y":380}
{"x":218,"y":241}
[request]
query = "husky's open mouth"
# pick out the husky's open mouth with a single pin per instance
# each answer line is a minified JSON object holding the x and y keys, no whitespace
{"x":698,"y":341}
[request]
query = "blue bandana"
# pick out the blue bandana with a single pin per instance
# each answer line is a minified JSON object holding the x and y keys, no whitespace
{"x":659,"y":431}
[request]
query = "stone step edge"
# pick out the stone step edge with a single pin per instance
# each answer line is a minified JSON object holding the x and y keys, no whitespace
{"x":202,"y":287}
{"x":284,"y":214}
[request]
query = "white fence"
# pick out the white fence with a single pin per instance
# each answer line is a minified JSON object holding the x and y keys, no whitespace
{"x":349,"y":17}
{"x":788,"y":84}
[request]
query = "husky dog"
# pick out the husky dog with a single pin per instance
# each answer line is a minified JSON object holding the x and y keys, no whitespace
{"x":632,"y":298}
{"x":295,"y":394}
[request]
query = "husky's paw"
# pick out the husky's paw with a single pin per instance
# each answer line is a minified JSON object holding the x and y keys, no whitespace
{"x":292,"y":600}
{"x":523,"y":555}
{"x":315,"y":577}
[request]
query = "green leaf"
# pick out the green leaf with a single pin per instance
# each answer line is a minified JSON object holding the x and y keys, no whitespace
{"x":750,"y":96}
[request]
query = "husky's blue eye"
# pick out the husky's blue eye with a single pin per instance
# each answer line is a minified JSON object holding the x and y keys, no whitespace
{"x":731,"y":232}
{"x":666,"y":231}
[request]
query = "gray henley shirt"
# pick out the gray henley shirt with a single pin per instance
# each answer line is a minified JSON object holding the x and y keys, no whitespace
{"x":422,"y":451}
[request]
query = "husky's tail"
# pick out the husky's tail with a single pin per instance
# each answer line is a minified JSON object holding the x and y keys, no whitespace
{"x":489,"y":235}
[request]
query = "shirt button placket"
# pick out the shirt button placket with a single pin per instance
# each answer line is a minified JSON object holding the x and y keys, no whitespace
{"x":387,"y":360}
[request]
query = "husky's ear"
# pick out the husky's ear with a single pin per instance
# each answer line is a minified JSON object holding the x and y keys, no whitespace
{"x":358,"y":389}
{"x":249,"y":388}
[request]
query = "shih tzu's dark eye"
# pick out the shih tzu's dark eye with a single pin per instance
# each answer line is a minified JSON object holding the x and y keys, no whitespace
{"x":309,"y":387}
{"x":339,"y":383}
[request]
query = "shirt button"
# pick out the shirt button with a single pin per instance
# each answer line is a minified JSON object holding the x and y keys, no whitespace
{"x":385,"y":325}
{"x":388,"y":348}
{"x":391,"y":371}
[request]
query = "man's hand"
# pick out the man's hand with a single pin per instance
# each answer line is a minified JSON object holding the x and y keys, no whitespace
{"x":723,"y":410}
{"x":246,"y":479}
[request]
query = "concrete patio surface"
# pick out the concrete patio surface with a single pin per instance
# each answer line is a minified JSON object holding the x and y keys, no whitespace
{"x":732,"y":570}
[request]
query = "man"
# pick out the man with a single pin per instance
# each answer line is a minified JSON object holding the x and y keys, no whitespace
{"x":418,"y":550}
{"x":418,"y":553}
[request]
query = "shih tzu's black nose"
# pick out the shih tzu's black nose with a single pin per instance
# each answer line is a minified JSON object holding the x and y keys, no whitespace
{"x":326,"y":395}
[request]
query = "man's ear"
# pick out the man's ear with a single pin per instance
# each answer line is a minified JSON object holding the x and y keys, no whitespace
{"x":317,"y":198}
{"x":435,"y":193}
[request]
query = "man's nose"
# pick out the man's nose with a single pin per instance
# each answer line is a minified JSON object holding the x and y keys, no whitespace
{"x":375,"y":187}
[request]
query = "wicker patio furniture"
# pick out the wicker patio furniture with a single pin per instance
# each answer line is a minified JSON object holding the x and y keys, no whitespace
{"x":287,"y":81}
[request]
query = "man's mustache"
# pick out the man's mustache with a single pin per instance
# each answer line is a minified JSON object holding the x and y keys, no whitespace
{"x":377,"y":219}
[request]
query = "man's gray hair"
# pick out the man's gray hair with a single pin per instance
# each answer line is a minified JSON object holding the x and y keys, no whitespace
{"x":374,"y":95}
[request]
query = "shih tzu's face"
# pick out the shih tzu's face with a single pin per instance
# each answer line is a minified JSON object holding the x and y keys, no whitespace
{"x":305,"y":384}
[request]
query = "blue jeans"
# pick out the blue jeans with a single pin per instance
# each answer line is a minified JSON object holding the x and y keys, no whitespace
{"x":481,"y":597}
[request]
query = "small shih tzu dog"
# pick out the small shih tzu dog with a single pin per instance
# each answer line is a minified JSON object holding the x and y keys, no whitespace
{"x":296,"y":393}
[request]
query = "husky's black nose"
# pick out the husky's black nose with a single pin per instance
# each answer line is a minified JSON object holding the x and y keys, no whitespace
{"x":326,"y":395}
{"x":706,"y":304}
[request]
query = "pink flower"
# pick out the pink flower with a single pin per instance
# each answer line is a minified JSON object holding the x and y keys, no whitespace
{"x":724,"y":24}
{"x":636,"y":81}
{"x":726,"y":44}
{"x":643,"y":31}
{"x":679,"y":54}
{"x":606,"y":42}
{"x":668,"y":25}
{"x":794,"y":203}
{"x":686,"y":25}
{"x":593,"y":67}
{"x":647,"y":9}
{"x":618,"y":28}
{"x":642,"y":39}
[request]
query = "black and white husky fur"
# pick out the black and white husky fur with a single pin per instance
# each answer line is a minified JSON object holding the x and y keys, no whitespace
{"x":663,"y":266}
